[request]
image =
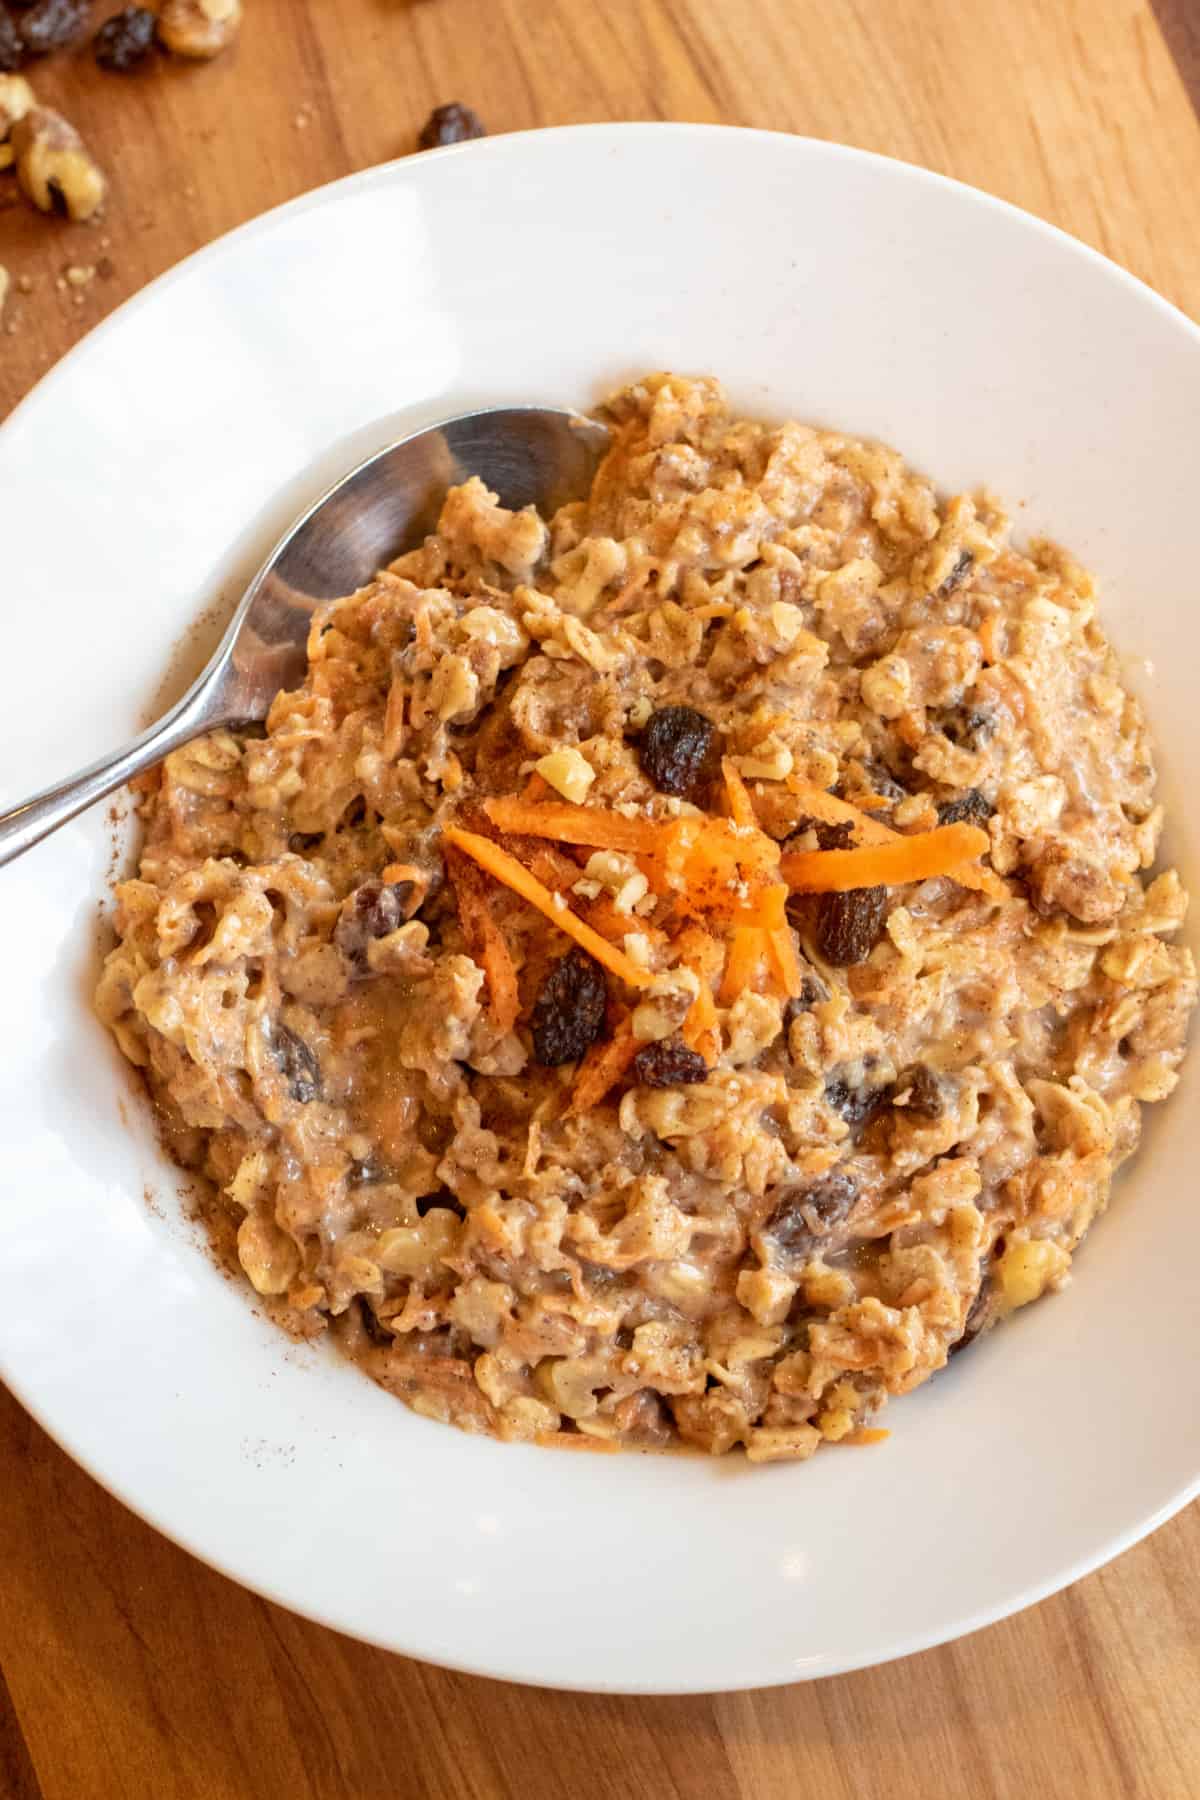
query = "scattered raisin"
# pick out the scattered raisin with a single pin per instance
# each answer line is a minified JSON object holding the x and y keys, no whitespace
{"x":857,"y":1102}
{"x":970,"y":808}
{"x":849,"y":925}
{"x":959,"y":573}
{"x":378,"y":1334}
{"x":925,"y":1092}
{"x":808,"y":1213}
{"x":123,"y":41}
{"x":12,"y":50}
{"x":668,"y":1063}
{"x":452,"y":124}
{"x":300,"y":842}
{"x":829,"y":837}
{"x":297,"y":1062}
{"x":675,"y":747}
{"x":373,"y":910}
{"x":51,"y":24}
{"x":568,"y":1014}
{"x":967,"y":726}
{"x":812,"y":991}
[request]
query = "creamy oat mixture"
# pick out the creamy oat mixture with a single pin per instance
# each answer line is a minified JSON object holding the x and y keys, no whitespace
{"x":678,"y":971}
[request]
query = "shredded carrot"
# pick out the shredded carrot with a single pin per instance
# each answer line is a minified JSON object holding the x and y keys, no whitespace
{"x":568,"y":824}
{"x":744,"y":967}
{"x":832,"y":811}
{"x":602,"y":1068}
{"x":703,"y":864}
{"x":741,"y":807}
{"x":866,"y":1434}
{"x":536,"y":788}
{"x":785,"y":964}
{"x":508,"y":870}
{"x":766,"y":908}
{"x":916,"y":858}
{"x":485,"y":940}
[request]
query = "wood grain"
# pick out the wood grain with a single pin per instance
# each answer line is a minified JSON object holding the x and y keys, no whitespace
{"x":128,"y":1670}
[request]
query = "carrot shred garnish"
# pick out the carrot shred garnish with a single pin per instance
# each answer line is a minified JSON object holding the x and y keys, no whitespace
{"x":832,"y":811}
{"x":485,"y":940}
{"x":536,"y":788}
{"x":508,"y":870}
{"x":741,"y":807}
{"x":744,"y":966}
{"x":866,"y":1434}
{"x":602,"y":1068}
{"x":916,"y":858}
{"x":568,"y":824}
{"x":785,"y":964}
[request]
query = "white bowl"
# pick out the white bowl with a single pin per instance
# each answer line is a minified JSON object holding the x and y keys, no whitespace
{"x":148,"y":471}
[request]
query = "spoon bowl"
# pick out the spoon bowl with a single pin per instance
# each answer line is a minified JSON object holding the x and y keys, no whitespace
{"x":528,"y":456}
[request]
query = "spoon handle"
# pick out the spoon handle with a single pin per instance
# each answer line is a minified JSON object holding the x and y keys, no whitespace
{"x":27,"y":824}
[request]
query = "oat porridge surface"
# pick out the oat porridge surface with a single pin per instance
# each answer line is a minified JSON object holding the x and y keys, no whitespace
{"x":678,"y":971}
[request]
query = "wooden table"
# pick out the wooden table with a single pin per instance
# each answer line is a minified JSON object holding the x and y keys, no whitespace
{"x":126,"y":1669}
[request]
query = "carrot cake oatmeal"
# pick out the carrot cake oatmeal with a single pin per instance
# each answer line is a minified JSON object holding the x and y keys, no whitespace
{"x":679,"y":970}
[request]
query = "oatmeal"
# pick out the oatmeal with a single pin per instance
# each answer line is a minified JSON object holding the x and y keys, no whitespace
{"x":677,"y":971}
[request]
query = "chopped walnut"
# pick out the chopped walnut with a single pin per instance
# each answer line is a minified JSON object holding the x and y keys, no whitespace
{"x":200,"y":29}
{"x":16,"y":99}
{"x":54,"y":167}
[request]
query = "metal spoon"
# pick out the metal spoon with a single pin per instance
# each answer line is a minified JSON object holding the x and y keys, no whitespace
{"x":527,"y":455}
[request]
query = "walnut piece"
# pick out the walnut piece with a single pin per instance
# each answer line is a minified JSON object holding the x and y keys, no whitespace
{"x":54,"y":167}
{"x":16,"y":99}
{"x":199,"y":28}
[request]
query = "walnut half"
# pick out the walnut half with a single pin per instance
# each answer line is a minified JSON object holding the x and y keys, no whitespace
{"x":54,"y":167}
{"x":199,"y":28}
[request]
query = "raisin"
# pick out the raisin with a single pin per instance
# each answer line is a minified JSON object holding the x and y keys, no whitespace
{"x":856,"y":1101}
{"x":374,"y":910}
{"x":925,"y":1092}
{"x":812,"y":991}
{"x":959,"y":573}
{"x":806,"y":1214}
{"x":50,"y":24}
{"x":12,"y":50}
{"x":123,"y":41}
{"x":568,"y":1014}
{"x":967,"y":726}
{"x":829,"y":837}
{"x":377,"y":1333}
{"x":675,"y":749}
{"x":970,"y":808}
{"x":849,"y":925}
{"x":452,"y":124}
{"x":298,"y":1064}
{"x":668,"y":1063}
{"x":302,"y":841}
